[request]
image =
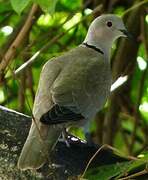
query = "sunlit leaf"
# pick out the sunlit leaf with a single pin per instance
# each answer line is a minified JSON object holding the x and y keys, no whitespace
{"x":48,"y":6}
{"x":19,"y":5}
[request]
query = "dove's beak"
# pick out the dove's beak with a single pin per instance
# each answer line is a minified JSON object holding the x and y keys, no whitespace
{"x":127,"y":34}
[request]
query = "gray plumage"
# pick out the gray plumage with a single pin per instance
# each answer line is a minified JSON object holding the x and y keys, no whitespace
{"x":79,"y":80}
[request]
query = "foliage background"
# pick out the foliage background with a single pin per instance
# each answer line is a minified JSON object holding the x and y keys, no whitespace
{"x":56,"y":27}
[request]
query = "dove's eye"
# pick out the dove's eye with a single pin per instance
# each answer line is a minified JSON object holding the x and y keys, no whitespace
{"x":109,"y":23}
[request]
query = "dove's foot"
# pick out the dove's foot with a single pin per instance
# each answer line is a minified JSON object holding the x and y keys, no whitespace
{"x":64,"y":137}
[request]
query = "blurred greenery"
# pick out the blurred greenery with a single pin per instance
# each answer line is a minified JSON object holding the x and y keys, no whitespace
{"x":57,"y":17}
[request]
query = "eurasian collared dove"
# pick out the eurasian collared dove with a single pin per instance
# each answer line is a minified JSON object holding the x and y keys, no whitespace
{"x":72,"y":88}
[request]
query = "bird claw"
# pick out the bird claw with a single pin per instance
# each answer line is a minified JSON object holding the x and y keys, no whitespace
{"x":64,"y":138}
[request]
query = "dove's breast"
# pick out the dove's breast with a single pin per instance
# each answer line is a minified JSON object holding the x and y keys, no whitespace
{"x":97,"y":87}
{"x":84,"y":83}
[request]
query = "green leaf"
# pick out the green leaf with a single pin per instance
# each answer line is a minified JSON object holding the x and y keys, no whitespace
{"x":106,"y":171}
{"x":48,"y":6}
{"x":19,"y":5}
{"x":117,"y":170}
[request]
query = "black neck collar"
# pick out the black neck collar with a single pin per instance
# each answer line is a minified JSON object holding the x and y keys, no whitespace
{"x":93,"y":47}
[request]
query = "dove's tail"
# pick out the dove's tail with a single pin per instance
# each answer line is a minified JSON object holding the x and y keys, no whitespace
{"x":38,"y":145}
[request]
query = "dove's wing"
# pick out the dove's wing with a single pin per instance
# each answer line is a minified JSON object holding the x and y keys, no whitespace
{"x":84,"y":83}
{"x":41,"y":138}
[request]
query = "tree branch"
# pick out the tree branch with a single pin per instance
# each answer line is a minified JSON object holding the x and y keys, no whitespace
{"x":68,"y":161}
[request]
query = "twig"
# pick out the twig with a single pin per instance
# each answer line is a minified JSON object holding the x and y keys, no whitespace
{"x":30,"y":82}
{"x":21,"y":92}
{"x":91,"y":159}
{"x":22,"y":34}
{"x":23,"y":77}
{"x":135,"y":175}
{"x":103,"y":147}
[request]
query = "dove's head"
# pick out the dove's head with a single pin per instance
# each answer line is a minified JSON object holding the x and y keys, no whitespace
{"x":104,"y":30}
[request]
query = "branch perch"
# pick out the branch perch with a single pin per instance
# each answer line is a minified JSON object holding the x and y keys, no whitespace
{"x":67,"y":161}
